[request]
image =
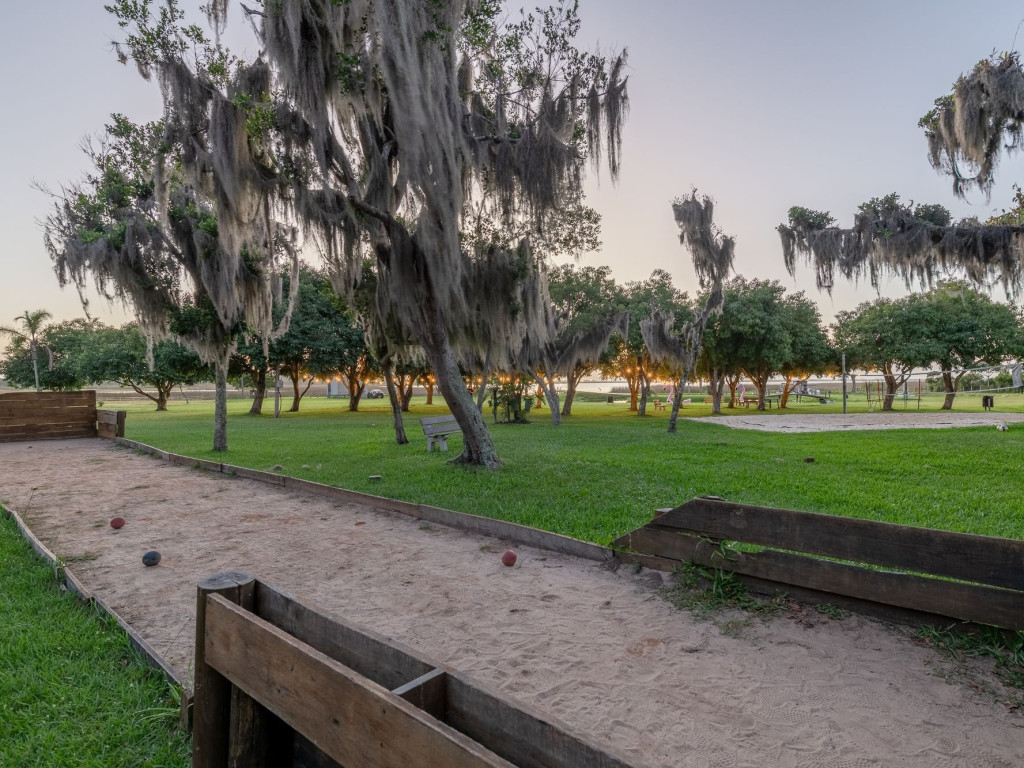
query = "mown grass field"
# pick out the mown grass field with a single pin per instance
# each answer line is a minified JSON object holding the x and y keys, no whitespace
{"x":72,"y":691}
{"x":604,"y":470}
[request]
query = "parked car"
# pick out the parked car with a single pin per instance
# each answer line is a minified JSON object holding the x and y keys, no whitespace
{"x":375,"y":394}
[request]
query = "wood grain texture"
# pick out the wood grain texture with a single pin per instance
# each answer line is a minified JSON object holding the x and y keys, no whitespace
{"x":351,"y":719}
{"x":523,"y":735}
{"x":373,"y":656}
{"x":983,"y":559}
{"x":966,"y":602}
{"x":211,"y":714}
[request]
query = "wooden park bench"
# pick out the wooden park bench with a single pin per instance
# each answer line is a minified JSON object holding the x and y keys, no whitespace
{"x":437,"y":429}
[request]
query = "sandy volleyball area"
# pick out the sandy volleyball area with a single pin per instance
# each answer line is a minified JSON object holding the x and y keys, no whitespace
{"x":594,"y":647}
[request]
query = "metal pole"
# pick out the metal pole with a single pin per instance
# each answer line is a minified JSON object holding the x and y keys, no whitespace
{"x":844,"y":382}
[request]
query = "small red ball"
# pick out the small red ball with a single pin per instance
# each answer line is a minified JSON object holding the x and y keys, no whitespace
{"x":509,"y":558}
{"x":117,"y":522}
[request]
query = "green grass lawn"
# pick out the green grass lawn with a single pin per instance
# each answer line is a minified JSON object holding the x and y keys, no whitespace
{"x":73,"y":693}
{"x":603,"y":471}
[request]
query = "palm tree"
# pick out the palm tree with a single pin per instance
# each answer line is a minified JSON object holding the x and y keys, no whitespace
{"x":32,"y":324}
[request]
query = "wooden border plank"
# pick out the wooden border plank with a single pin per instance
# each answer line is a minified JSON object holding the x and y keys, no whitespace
{"x":427,"y":692}
{"x":373,"y":656}
{"x":967,"y":602}
{"x":522,"y":735}
{"x":353,"y":720}
{"x":984,"y":559}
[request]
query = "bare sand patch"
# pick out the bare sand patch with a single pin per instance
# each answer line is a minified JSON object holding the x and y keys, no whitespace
{"x":776,"y":421}
{"x":594,"y":647}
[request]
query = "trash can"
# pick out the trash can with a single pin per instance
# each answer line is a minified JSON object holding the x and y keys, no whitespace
{"x":611,"y":399}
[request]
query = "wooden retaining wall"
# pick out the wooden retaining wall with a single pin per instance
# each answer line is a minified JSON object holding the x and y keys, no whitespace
{"x":279,"y":684}
{"x":47,"y":415}
{"x":918,"y":572}
{"x":56,"y":415}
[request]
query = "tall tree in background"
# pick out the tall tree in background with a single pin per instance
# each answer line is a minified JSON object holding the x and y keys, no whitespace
{"x":123,"y":355}
{"x":677,"y":340}
{"x":886,"y":336}
{"x":966,"y":329}
{"x":811,"y":352}
{"x":629,"y":357}
{"x":64,"y":344}
{"x":396,"y":121}
{"x":29,"y":330}
{"x":587,"y":303}
{"x":156,"y":230}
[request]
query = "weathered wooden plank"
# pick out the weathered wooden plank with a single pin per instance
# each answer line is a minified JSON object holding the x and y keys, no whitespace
{"x":521,"y":534}
{"x":431,"y":420}
{"x":427,"y":692}
{"x":523,"y":735}
{"x":252,"y":474}
{"x":967,"y":602}
{"x":45,"y":415}
{"x":353,"y":720}
{"x":111,"y":423}
{"x":373,"y":656}
{"x":984,"y":559}
{"x":83,"y":396}
{"x":48,"y":434}
{"x":212,"y":692}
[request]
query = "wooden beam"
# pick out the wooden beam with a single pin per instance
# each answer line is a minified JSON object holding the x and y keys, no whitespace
{"x":983,"y":559}
{"x":523,"y":735}
{"x":373,"y":656}
{"x":353,"y":720}
{"x":211,"y":714}
{"x":427,"y":692}
{"x":966,"y":602}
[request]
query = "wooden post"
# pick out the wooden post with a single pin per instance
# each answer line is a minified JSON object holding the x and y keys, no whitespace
{"x":211,"y":691}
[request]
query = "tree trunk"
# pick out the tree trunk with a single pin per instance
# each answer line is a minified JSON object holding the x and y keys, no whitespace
{"x":716,"y":385}
{"x":296,"y":396}
{"x":407,"y":393}
{"x":34,"y":349}
{"x":645,"y":390}
{"x":478,"y":446}
{"x":548,"y":386}
{"x":161,"y":397}
{"x":786,"y":388}
{"x":481,"y":393}
{"x":260,"y":389}
{"x":733,"y":383}
{"x":891,"y":385}
{"x":355,"y":384}
{"x":951,"y":387}
{"x":430,"y":393}
{"x":220,"y":404}
{"x":396,"y":405}
{"x":572,"y":381}
{"x":677,"y":401}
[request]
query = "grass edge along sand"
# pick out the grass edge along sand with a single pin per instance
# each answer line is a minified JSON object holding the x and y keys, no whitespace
{"x":73,"y":692}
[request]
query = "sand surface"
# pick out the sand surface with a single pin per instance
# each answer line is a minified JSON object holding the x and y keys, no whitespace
{"x":775,"y":421}
{"x":594,"y":647}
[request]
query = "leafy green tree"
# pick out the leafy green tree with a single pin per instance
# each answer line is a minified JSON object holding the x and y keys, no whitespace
{"x":588,"y":311}
{"x":424,"y":114}
{"x":29,"y":331}
{"x":675,"y":341}
{"x":120,"y":355}
{"x":966,"y":329}
{"x":629,"y":357}
{"x":751,"y":335}
{"x":321,"y":340}
{"x":886,"y":336}
{"x":811,"y":352}
{"x":63,"y":344}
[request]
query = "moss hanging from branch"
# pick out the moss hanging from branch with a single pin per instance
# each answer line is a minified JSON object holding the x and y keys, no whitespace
{"x":712,"y":254}
{"x":918,"y":244}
